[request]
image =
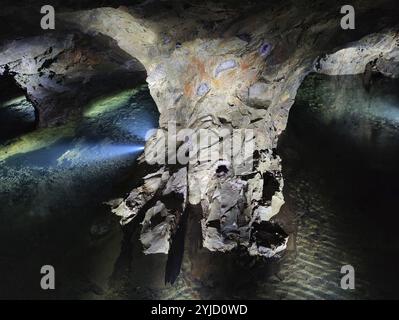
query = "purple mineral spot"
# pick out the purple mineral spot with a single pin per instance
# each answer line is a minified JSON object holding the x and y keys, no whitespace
{"x":265,"y":49}
{"x":225,"y":65}
{"x":166,"y":39}
{"x":203,"y":88}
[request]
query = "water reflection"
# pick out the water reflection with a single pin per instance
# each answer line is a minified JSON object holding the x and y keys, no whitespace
{"x":340,"y":153}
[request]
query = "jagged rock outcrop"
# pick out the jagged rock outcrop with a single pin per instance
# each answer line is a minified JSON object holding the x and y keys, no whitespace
{"x":61,"y":73}
{"x":215,"y":68}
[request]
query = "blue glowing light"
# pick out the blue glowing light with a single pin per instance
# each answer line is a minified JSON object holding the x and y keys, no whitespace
{"x":108,"y":151}
{"x":88,"y":153}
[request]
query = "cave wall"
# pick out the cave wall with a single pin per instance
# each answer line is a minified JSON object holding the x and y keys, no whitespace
{"x":61,"y":73}
{"x":210,"y":66}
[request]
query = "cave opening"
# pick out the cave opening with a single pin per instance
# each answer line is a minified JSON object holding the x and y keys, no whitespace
{"x":17,"y":113}
{"x":340,"y":152}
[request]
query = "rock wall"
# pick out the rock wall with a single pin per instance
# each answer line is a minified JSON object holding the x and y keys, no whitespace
{"x":61,"y":73}
{"x":222,"y":67}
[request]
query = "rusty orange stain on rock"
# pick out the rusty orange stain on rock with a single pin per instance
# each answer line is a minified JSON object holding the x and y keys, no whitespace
{"x":188,"y":89}
{"x":195,"y":69}
{"x":248,"y":61}
{"x":251,"y":65}
{"x":245,"y":65}
{"x":199,"y":67}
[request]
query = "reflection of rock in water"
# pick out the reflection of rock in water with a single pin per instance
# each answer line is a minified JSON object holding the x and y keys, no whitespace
{"x":342,"y":180}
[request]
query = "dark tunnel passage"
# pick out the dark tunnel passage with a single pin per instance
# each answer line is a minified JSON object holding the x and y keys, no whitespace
{"x":17,"y":114}
{"x":340,"y":154}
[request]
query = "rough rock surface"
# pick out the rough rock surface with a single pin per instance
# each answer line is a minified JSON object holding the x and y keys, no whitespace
{"x":214,"y":66}
{"x":62,"y":73}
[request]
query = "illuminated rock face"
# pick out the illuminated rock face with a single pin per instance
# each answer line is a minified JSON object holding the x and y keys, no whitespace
{"x":216,"y":67}
{"x":62,"y":73}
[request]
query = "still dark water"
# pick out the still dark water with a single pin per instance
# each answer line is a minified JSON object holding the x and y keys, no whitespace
{"x":340,"y":156}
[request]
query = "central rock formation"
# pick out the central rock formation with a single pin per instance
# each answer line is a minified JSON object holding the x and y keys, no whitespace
{"x":236,"y":71}
{"x":215,"y":67}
